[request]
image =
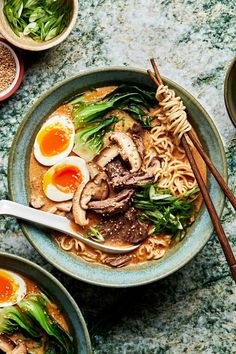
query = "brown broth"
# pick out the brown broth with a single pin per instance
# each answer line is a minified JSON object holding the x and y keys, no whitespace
{"x":37,"y":171}
{"x":33,"y":346}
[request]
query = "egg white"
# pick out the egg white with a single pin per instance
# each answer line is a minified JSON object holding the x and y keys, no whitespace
{"x":20,"y":292}
{"x":64,"y":123}
{"x":51,"y":191}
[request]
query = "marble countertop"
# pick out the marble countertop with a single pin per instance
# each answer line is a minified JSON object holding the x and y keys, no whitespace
{"x":193,"y":310}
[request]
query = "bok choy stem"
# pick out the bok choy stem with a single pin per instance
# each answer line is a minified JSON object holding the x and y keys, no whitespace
{"x":33,"y":317}
{"x":89,"y":141}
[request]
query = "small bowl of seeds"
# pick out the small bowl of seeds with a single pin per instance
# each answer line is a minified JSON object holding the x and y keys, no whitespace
{"x":11,"y":70}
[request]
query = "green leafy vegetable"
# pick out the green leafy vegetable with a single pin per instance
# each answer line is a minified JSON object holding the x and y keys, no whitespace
{"x":95,"y":234}
{"x":11,"y":320}
{"x":41,"y":20}
{"x":128,"y":98}
{"x":89,"y":141}
{"x":166,"y":212}
{"x":32,"y":316}
{"x":90,"y":113}
{"x":35,"y":308}
{"x":139,"y":115}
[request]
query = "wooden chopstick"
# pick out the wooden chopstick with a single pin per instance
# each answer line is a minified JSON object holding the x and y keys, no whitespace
{"x":207,"y":199}
{"x":213,"y":169}
{"x":212,"y":211}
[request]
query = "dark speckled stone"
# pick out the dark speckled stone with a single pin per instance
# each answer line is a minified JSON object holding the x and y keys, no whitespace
{"x":194,"y":310}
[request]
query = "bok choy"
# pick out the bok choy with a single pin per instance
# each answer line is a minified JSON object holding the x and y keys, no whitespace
{"x":89,"y":141}
{"x":31,"y":315}
{"x":128,"y":98}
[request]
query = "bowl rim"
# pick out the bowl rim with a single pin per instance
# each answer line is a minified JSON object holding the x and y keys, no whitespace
{"x":41,"y":45}
{"x":58,"y":284}
{"x":19,"y":66}
{"x":226,"y":91}
{"x":190,"y":255}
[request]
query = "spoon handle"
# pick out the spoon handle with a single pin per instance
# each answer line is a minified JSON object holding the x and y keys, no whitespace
{"x":55,"y":222}
{"x":20,"y":211}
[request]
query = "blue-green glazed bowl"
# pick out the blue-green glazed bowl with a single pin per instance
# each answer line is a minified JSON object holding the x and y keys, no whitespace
{"x":134,"y":275}
{"x":56,"y":290}
{"x":230,"y":91}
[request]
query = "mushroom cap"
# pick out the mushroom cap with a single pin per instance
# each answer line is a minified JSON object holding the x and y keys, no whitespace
{"x":97,"y":189}
{"x":127,"y":150}
{"x":107,"y":154}
{"x":79,"y":213}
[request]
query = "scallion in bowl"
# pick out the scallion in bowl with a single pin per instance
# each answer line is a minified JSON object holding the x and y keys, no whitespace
{"x":41,"y":20}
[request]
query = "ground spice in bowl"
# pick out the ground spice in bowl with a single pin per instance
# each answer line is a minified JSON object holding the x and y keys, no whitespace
{"x":7,"y":68}
{"x":11,"y":70}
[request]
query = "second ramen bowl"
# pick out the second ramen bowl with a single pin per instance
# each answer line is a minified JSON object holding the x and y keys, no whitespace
{"x":55,"y":290}
{"x":134,"y":275}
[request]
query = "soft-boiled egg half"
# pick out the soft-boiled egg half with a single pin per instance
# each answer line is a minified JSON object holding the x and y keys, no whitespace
{"x":12,"y":288}
{"x":55,"y":140}
{"x":61,"y":180}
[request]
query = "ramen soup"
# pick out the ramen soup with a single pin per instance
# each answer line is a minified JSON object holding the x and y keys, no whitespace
{"x":30,"y":322}
{"x":111,"y":160}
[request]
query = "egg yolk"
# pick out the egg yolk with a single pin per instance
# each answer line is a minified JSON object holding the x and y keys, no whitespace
{"x":67,"y":178}
{"x":7,"y":287}
{"x":53,"y":141}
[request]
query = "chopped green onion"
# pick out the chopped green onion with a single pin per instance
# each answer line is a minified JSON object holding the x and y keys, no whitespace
{"x":166,"y":212}
{"x":41,"y":20}
{"x":94,"y":234}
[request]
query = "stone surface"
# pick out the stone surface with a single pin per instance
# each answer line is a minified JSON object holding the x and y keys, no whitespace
{"x":194,"y":310}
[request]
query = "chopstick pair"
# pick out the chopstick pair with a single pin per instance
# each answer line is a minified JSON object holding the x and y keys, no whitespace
{"x":229,"y":255}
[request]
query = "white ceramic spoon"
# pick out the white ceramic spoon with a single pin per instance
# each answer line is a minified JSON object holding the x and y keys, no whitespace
{"x":55,"y":222}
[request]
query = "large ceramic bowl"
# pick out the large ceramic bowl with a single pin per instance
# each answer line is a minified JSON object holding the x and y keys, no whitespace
{"x":18,"y":176}
{"x":61,"y":296}
{"x":230,"y":91}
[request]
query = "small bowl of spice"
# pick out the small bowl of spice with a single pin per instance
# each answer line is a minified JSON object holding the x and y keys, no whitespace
{"x":37,"y":25}
{"x":11,"y":70}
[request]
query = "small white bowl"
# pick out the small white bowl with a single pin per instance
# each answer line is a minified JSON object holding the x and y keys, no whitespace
{"x":27,"y":43}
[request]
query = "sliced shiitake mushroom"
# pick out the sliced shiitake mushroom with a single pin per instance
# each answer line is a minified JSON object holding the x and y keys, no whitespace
{"x":7,"y":345}
{"x":19,"y":349}
{"x":94,"y":169}
{"x":107,"y":155}
{"x":127,"y":150}
{"x":79,"y":213}
{"x":96,"y":189}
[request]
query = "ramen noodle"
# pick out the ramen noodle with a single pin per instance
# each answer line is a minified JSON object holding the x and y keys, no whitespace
{"x":130,"y":181}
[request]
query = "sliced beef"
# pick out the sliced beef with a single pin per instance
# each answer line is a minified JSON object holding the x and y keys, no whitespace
{"x":116,"y":168}
{"x":120,"y":177}
{"x":124,"y":227}
{"x":131,"y":180}
{"x":6,"y":344}
{"x":117,"y":262}
{"x":113,"y":205}
{"x":136,"y":129}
